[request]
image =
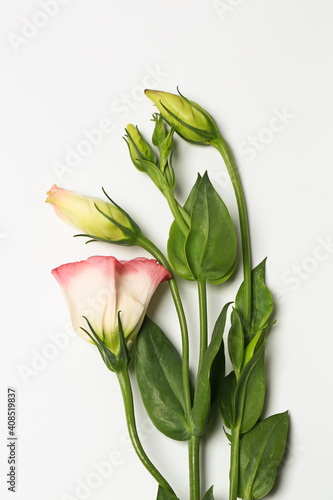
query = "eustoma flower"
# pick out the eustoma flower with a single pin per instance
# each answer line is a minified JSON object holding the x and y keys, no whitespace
{"x":190,"y":121}
{"x":101,"y":289}
{"x":95,"y":217}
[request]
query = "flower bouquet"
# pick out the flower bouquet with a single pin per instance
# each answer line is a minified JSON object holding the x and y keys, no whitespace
{"x":108,"y":301}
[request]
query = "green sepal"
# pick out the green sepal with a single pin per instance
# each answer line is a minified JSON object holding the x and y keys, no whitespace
{"x":209,"y":494}
{"x":134,"y":226}
{"x":210,"y":246}
{"x":162,"y":494}
{"x":203,"y":391}
{"x":262,"y":302}
{"x":227,"y":401}
{"x":114,"y":362}
{"x":131,"y":233}
{"x":93,"y":239}
{"x":236,"y":343}
{"x":159,"y":376}
{"x":261,"y":451}
{"x":177,"y":240}
{"x":250,"y":391}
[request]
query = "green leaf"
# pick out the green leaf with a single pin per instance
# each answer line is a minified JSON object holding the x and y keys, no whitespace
{"x":210,"y":246}
{"x":248,"y":408}
{"x":254,"y":394}
{"x":227,"y":403}
{"x":159,"y":376}
{"x":262,"y":303}
{"x":209,"y":495}
{"x":261,"y":451}
{"x":162,"y":494}
{"x":176,"y":241}
{"x":236,"y":343}
{"x":252,"y":346}
{"x":202,"y":395}
{"x":217,"y":375}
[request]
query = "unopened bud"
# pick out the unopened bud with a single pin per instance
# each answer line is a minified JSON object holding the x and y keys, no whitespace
{"x":139,"y":149}
{"x":190,"y":121}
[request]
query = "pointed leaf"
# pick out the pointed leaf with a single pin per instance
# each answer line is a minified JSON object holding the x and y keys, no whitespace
{"x":202,"y":396}
{"x":254,"y":395}
{"x":243,"y":390}
{"x":262,"y":303}
{"x":162,"y":494}
{"x":236,"y":343}
{"x":217,"y":377}
{"x":159,"y":375}
{"x":227,"y":403}
{"x":211,"y":242}
{"x":209,"y":495}
{"x":261,"y":451}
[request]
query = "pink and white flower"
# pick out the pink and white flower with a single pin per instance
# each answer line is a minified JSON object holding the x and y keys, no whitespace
{"x":99,"y":287}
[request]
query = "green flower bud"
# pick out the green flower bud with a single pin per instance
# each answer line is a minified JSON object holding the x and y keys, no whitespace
{"x":189,"y":120}
{"x":160,"y":130}
{"x":96,"y":218}
{"x":139,"y":148}
{"x":167,"y":145}
{"x":163,"y":139}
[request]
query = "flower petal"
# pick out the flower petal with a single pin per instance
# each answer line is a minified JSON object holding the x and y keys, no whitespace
{"x":99,"y":287}
{"x":89,"y":287}
{"x":136,"y":282}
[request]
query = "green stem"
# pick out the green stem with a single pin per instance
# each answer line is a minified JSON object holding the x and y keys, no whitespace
{"x":164,"y":167}
{"x":127,"y":394}
{"x":194,"y":465}
{"x":155,"y":252}
{"x":203,"y":319}
{"x":194,"y":442}
{"x":227,"y":156}
{"x":234,"y":464}
{"x":175,"y":209}
{"x":184,"y":214}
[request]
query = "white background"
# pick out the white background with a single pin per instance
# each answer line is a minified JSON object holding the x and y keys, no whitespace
{"x":63,"y":73}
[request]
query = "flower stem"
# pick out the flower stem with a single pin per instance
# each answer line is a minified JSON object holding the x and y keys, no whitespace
{"x":227,"y":156}
{"x":194,"y":442}
{"x":194,"y":465}
{"x":184,"y":214}
{"x":127,"y":394}
{"x":234,"y":464}
{"x":155,"y":252}
{"x":177,"y":212}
